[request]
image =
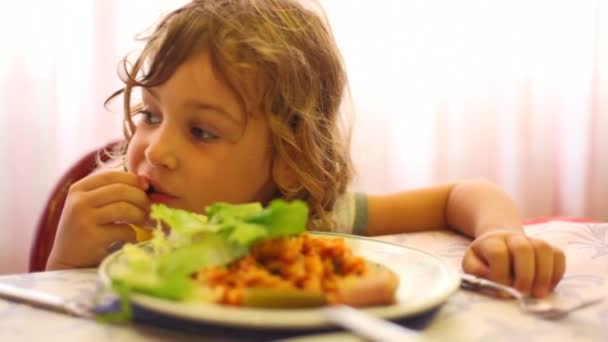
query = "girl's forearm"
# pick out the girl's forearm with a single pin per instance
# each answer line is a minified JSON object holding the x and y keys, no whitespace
{"x":478,"y":207}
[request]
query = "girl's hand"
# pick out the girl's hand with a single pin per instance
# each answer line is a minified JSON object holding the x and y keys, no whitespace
{"x":97,"y":212}
{"x":532,"y":266}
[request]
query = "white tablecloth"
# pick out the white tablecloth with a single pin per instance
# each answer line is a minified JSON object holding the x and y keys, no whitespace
{"x":466,"y":316}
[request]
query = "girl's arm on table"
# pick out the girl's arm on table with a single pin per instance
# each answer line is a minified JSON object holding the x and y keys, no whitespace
{"x":479,"y":209}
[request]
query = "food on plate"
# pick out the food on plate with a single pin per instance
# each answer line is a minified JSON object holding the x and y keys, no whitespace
{"x":298,"y":271}
{"x":247,"y":255}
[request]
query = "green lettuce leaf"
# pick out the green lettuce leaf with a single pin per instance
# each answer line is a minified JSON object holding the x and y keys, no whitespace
{"x":163,"y":267}
{"x":282,"y":219}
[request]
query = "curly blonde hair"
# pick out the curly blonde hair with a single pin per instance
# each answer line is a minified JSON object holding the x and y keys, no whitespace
{"x":282,"y":60}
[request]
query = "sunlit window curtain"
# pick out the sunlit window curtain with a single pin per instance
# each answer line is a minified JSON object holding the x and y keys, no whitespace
{"x":58,"y":63}
{"x":512,"y":91}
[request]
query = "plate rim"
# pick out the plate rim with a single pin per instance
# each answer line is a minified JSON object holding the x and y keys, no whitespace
{"x":395,"y":311}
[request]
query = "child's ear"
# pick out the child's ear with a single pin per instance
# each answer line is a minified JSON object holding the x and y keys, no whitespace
{"x":284,"y":176}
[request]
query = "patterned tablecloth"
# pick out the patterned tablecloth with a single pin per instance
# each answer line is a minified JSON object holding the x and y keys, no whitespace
{"x":466,"y":316}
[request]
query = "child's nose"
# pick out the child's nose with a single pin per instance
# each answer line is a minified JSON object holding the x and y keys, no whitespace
{"x":160,"y":151}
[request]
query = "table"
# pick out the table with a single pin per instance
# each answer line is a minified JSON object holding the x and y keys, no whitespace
{"x":466,"y":316}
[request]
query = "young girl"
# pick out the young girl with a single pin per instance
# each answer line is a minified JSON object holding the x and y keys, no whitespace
{"x":240,"y":102}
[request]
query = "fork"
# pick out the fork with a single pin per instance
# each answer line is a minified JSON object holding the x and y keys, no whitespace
{"x":368,"y":326}
{"x":549,"y":309}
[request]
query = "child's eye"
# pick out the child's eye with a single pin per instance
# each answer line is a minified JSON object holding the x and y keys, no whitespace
{"x":150,"y":118}
{"x":201,"y":134}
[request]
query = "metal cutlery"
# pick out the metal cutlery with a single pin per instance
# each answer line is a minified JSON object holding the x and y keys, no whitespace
{"x":367,"y":326}
{"x":545,"y":308}
{"x":45,"y":300}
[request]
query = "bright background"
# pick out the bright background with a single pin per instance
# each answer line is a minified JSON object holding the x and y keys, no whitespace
{"x":512,"y":91}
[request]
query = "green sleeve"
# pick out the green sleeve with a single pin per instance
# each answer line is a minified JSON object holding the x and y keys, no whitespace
{"x":360,"y":223}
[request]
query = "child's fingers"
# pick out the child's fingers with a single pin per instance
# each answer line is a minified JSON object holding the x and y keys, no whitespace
{"x":543,"y":254}
{"x":100,"y":179}
{"x":111,"y":234}
{"x":559,"y":266}
{"x":523,"y":255}
{"x":472,"y":264}
{"x":91,"y":249}
{"x":118,"y":232}
{"x":118,"y":192}
{"x":119,"y":212}
{"x":494,"y":251}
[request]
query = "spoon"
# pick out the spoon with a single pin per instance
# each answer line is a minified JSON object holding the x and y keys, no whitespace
{"x":544,"y":308}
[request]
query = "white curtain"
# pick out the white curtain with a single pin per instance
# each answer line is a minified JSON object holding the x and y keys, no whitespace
{"x":512,"y":91}
{"x":58,"y":63}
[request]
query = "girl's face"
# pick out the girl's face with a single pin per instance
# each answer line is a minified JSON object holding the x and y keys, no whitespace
{"x":195,"y":145}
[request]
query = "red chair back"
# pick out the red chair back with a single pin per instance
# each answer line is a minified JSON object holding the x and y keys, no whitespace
{"x":49,"y":219}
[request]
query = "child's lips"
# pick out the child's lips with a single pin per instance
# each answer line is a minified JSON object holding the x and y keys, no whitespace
{"x":159,"y":197}
{"x":156,"y":193}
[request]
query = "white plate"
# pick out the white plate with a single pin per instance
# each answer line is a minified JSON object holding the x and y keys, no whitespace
{"x":425,"y":281}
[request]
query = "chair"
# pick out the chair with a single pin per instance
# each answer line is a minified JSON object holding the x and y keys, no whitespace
{"x":49,"y":219}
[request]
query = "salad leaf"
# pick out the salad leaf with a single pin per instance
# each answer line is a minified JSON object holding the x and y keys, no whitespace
{"x":164,"y":266}
{"x":247,"y":233}
{"x":221,"y":211}
{"x":211,"y":250}
{"x":282,"y":218}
